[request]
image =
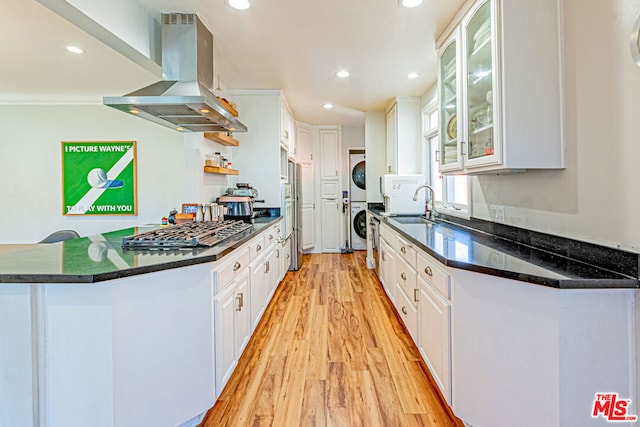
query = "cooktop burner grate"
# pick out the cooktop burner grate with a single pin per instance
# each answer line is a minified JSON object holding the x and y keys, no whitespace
{"x":187,"y":235}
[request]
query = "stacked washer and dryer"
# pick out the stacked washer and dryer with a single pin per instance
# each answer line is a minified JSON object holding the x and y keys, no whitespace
{"x":357,"y":188}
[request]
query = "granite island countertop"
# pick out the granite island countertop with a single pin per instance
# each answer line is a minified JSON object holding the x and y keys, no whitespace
{"x":464,"y":248}
{"x":101,"y":257}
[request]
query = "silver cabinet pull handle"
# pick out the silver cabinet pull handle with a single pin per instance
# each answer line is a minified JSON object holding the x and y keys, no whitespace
{"x":404,"y":276}
{"x":236,"y":266}
{"x":240,"y":299}
{"x":416,"y":292}
{"x":258,"y":248}
{"x":403,"y":250}
{"x":404,"y":310}
{"x":271,"y":237}
{"x":428,"y":271}
{"x":277,"y":253}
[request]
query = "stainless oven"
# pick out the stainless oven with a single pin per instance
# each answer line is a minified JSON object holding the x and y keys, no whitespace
{"x":374,"y":229}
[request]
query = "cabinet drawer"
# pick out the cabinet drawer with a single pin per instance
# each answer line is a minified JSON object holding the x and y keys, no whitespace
{"x":429,"y":270}
{"x":256,"y":247}
{"x":406,"y":251}
{"x":409,"y":314}
{"x":407,"y":279}
{"x":230,"y":269}
{"x":389,"y":236}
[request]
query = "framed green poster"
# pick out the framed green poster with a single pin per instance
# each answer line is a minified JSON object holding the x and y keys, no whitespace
{"x":99,"y":178}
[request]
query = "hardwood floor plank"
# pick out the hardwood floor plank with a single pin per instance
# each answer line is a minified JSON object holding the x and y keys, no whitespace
{"x":336,"y":382}
{"x":289,"y":405}
{"x":314,"y":406}
{"x":363,"y":402}
{"x":319,"y":345}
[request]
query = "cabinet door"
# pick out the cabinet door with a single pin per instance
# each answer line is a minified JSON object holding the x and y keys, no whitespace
{"x":284,"y":132}
{"x":450,"y":120}
{"x":408,"y":313}
{"x":392,"y":140}
{"x":304,"y":145}
{"x":308,"y":226}
{"x":330,"y":154}
{"x":271,"y":275}
{"x":242,"y":325}
{"x":434,"y":340}
{"x":388,"y":261}
{"x":308,"y":208}
{"x":291,"y":132}
{"x":258,"y":295}
{"x":331,"y":215}
{"x":479,"y":74}
{"x":224,"y":313}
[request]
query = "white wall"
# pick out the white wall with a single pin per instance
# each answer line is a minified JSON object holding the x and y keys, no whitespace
{"x":30,"y":168}
{"x":596,"y":197}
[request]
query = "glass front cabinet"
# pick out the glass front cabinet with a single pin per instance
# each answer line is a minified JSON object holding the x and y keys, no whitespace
{"x":499,"y":88}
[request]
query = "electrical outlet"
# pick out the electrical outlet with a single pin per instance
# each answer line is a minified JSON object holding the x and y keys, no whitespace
{"x":497,"y":213}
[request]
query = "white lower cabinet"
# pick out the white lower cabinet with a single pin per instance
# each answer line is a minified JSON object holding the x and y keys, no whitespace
{"x":408,"y":311}
{"x":388,"y":270}
{"x":224,"y":308}
{"x":331,"y":215}
{"x":243,"y":284}
{"x":242,"y":325}
{"x":434,"y":340}
{"x":271,"y":275}
{"x":258,"y":290}
{"x":420,"y":289}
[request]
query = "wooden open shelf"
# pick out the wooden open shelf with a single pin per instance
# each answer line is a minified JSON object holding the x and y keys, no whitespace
{"x":221,"y":171}
{"x":221,"y":138}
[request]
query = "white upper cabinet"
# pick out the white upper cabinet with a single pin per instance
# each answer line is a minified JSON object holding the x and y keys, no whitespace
{"x":287,"y":128}
{"x":304,"y":144}
{"x":330,"y":154}
{"x":403,"y":136}
{"x":500,"y":89}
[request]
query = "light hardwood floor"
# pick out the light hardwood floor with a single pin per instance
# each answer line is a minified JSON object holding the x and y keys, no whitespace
{"x":331,"y":351}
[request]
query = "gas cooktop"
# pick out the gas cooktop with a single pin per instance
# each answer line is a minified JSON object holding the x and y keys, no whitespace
{"x":186,"y":235}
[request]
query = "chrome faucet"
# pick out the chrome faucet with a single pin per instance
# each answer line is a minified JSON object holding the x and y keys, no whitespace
{"x":430,"y":214}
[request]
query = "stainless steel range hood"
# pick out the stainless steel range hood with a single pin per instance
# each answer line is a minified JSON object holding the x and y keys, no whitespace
{"x":183,"y":99}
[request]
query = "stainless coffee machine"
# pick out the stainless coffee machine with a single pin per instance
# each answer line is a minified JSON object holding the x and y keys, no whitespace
{"x":239,"y":202}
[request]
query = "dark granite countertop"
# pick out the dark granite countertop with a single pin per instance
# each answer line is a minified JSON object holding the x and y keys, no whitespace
{"x":100,"y":257}
{"x":464,"y":248}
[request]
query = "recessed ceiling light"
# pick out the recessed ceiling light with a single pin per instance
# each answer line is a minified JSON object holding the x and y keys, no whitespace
{"x":75,"y":49}
{"x":179,"y":128}
{"x":343,"y":74}
{"x":204,"y":110}
{"x":239,"y":4}
{"x":134,"y":111}
{"x":327,"y":106}
{"x":412,"y":75}
{"x":410,"y":3}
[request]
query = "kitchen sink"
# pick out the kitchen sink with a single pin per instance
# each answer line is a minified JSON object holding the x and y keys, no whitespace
{"x":413,"y":220}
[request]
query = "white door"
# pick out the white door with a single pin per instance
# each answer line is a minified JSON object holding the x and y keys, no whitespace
{"x":434,"y":340}
{"x":224,"y":308}
{"x":258,"y":294}
{"x":307,"y":208}
{"x":271,"y":275}
{"x":242,"y":324}
{"x":331,"y":215}
{"x":304,"y":145}
{"x":330,"y":154}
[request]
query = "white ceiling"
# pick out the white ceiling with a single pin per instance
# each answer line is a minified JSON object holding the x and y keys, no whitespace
{"x":293,"y":45}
